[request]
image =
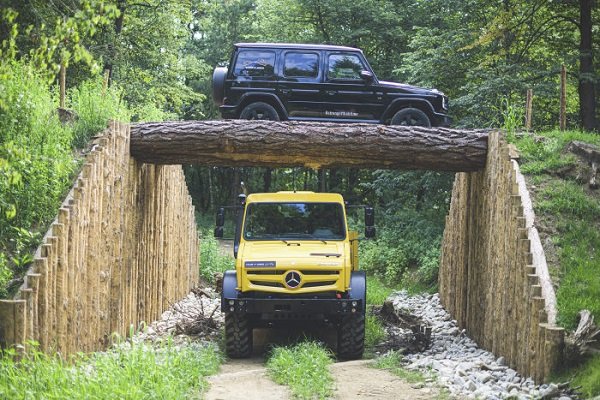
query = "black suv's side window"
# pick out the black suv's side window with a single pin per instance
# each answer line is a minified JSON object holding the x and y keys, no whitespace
{"x":344,"y":66}
{"x":301,"y":65}
{"x":253,"y":63}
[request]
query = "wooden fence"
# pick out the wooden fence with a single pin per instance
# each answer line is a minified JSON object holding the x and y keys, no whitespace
{"x":487,"y":280}
{"x":122,"y":249}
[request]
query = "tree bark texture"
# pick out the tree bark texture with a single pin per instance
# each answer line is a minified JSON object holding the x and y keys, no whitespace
{"x":314,"y":145}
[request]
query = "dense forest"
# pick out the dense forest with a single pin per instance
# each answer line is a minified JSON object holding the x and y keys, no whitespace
{"x":154,"y":60}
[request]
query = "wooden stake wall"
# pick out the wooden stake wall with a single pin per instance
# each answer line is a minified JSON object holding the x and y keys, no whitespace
{"x":123,"y":248}
{"x":486,"y":278}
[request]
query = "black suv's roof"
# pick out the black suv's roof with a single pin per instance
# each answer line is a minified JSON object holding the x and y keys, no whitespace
{"x":297,"y":46}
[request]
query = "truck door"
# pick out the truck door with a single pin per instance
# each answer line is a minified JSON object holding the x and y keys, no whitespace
{"x":299,"y":83}
{"x":345,"y":94}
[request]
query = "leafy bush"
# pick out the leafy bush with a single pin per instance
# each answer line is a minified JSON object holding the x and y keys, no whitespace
{"x":211,"y":259}
{"x":304,"y":368}
{"x":94,"y":108}
{"x":37,"y":161}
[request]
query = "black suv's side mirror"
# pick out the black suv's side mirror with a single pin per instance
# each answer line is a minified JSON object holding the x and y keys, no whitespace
{"x":220,"y":222}
{"x":367,"y":76}
{"x":370,"y":230}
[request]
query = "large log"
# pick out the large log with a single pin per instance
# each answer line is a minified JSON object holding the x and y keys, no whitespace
{"x":314,"y":145}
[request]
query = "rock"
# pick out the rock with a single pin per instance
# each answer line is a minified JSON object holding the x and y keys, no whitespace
{"x":501,"y":361}
{"x":549,"y":392}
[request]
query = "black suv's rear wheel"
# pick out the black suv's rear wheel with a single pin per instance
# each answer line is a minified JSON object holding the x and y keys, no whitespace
{"x":238,"y":335}
{"x":351,"y":337}
{"x":260,"y":110}
{"x":411,"y":117}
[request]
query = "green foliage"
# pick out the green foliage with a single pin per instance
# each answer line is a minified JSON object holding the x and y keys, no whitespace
{"x":5,"y":275}
{"x":545,"y":153}
{"x":37,"y":159}
{"x":94,"y":109}
{"x":574,"y":213}
{"x":128,"y":372}
{"x":304,"y":368}
{"x":586,"y":377}
{"x":212,"y":261}
{"x":377,"y":291}
{"x":374,"y":331}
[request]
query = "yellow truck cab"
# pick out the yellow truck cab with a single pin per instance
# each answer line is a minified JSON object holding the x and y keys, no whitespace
{"x":296,"y":260}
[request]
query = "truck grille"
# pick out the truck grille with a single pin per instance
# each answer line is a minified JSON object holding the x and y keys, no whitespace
{"x":314,"y":280}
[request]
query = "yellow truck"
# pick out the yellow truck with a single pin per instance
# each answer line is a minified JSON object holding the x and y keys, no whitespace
{"x":296,"y":260}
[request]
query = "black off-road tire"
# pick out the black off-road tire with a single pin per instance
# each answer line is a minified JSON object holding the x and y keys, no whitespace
{"x":259,"y":111}
{"x":411,"y":117}
{"x":238,"y":335}
{"x":351,"y":337}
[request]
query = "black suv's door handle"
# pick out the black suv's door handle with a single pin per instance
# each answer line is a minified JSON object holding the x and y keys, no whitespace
{"x":285,"y":91}
{"x":331,"y":92}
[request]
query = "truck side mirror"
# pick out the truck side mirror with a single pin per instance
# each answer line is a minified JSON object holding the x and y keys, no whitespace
{"x":369,"y":222}
{"x":220,"y":221}
{"x":367,"y":76}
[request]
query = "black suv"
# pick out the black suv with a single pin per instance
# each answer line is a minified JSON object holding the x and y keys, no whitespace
{"x":278,"y":81}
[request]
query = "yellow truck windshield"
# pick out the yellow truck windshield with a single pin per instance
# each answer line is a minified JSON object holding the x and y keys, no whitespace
{"x":299,"y":221}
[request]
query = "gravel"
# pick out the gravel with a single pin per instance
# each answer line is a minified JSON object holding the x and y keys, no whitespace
{"x":460,"y":365}
{"x":197,"y":317}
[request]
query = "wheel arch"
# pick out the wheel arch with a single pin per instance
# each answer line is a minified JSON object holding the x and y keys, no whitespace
{"x":358,"y":285}
{"x":268,"y":98}
{"x":401,"y":103}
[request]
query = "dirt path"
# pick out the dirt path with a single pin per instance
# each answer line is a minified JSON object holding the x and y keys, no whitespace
{"x":356,"y":380}
{"x":248,"y":379}
{"x":245,"y":379}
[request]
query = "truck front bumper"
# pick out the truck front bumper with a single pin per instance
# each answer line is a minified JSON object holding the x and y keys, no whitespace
{"x":290,"y":306}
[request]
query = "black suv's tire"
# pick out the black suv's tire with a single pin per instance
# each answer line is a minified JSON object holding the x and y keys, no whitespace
{"x":351,"y":337}
{"x":238,"y":335}
{"x":218,"y":85}
{"x":411,"y":117}
{"x":260,"y":110}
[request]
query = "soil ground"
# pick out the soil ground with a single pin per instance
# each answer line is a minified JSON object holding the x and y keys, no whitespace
{"x":248,"y":378}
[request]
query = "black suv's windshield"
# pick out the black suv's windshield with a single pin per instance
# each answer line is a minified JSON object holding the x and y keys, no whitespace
{"x":288,"y":221}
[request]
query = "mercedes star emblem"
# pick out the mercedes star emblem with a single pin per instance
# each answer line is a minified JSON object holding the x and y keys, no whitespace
{"x":292,"y":279}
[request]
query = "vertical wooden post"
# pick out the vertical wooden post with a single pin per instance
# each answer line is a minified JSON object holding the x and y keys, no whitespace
{"x":563,"y":98}
{"x":528,"y":109}
{"x":63,"y":84}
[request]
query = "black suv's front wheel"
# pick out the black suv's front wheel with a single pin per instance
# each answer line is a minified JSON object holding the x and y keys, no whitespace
{"x":411,"y":117}
{"x":260,"y":110}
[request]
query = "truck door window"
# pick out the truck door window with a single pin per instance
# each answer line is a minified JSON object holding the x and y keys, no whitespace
{"x":301,"y":65}
{"x":254,"y":63}
{"x":344,"y":66}
{"x":283,"y":221}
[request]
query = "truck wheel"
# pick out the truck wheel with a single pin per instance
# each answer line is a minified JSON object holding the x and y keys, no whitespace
{"x":351,"y":337}
{"x":238,"y":335}
{"x":411,"y":117}
{"x":259,"y":110}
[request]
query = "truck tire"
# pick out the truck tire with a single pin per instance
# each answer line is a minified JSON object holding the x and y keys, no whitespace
{"x":351,"y":337}
{"x":260,"y":110}
{"x":238,"y":335}
{"x":411,"y":117}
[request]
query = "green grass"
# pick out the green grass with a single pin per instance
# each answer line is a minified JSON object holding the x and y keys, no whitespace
{"x":546,"y":155}
{"x":572,"y":217}
{"x":129,"y":372}
{"x":392,"y":361}
{"x":211,"y":260}
{"x":304,"y":368}
{"x":374,"y":331}
{"x":377,"y":291}
{"x":586,"y":376}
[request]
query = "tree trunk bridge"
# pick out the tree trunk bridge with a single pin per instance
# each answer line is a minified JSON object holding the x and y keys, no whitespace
{"x":309,"y":144}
